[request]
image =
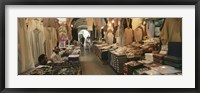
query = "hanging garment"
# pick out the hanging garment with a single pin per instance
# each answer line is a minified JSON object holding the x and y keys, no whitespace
{"x":138,"y":34}
{"x":97,"y":23}
{"x":50,"y":40}
{"x":69,"y":29}
{"x":117,"y":33}
{"x":136,"y":22}
{"x":49,"y":22}
{"x":115,"y":22}
{"x":144,"y":30}
{"x":90,"y":22}
{"x":109,"y":24}
{"x":57,"y":29}
{"x":103,"y":22}
{"x":110,"y":38}
{"x":34,"y":23}
{"x":25,"y":58}
{"x":128,"y":36}
{"x":37,"y":43}
{"x":36,"y":37}
{"x":171,"y":31}
{"x":150,"y":29}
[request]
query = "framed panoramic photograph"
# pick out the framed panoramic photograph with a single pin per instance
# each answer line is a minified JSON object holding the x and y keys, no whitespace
{"x":99,"y":46}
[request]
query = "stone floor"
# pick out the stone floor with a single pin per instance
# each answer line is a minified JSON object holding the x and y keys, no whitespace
{"x":92,"y":65}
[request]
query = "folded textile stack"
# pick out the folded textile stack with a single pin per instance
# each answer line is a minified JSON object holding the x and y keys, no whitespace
{"x":120,"y":51}
{"x":42,"y":70}
{"x":149,"y":56}
{"x":106,"y":47}
{"x":134,"y":44}
{"x":73,"y":58}
{"x":131,"y":53}
{"x":130,"y":66}
{"x":158,"y":58}
{"x":173,"y":61}
{"x":154,"y":64}
{"x":152,"y":40}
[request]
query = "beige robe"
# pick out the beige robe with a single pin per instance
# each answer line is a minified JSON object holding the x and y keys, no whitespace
{"x":128,"y":36}
{"x":25,"y":58}
{"x":138,"y":34}
{"x":50,"y":22}
{"x":90,"y":22}
{"x":50,"y":32}
{"x":110,"y":37}
{"x":50,"y":40}
{"x":171,"y":31}
{"x":136,"y":22}
{"x":69,"y":29}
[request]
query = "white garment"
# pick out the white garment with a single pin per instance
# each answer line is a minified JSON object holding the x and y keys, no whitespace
{"x":56,"y":58}
{"x":110,"y":38}
{"x":36,"y":37}
{"x":25,"y":58}
{"x":37,"y":43}
{"x":150,"y":29}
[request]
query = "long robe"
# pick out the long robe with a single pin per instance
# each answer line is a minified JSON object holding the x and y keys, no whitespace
{"x":150,"y":29}
{"x":171,"y":31}
{"x":50,"y":40}
{"x":25,"y":58}
{"x":90,"y":22}
{"x":138,"y":34}
{"x":69,"y":29}
{"x":36,"y":37}
{"x":50,"y":35}
{"x":37,"y":43}
{"x":128,"y":36}
{"x":136,"y":22}
{"x":110,"y":38}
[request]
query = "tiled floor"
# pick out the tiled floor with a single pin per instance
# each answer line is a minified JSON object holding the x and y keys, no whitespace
{"x":92,"y":65}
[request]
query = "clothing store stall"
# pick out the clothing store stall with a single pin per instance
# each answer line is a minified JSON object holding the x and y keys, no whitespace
{"x":99,"y":46}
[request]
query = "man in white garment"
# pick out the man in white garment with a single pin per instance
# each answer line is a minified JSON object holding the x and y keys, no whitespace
{"x":56,"y":56}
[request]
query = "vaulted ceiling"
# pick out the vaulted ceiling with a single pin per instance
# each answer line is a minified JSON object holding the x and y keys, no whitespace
{"x":79,"y":22}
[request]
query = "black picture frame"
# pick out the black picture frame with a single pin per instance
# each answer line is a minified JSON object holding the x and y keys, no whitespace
{"x":3,"y":3}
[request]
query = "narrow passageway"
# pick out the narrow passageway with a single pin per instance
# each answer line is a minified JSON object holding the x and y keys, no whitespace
{"x":92,"y":65}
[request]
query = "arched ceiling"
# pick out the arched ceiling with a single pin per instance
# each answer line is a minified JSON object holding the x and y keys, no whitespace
{"x":79,"y":22}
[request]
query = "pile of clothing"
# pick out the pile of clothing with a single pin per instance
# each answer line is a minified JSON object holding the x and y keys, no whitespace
{"x":64,"y":68}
